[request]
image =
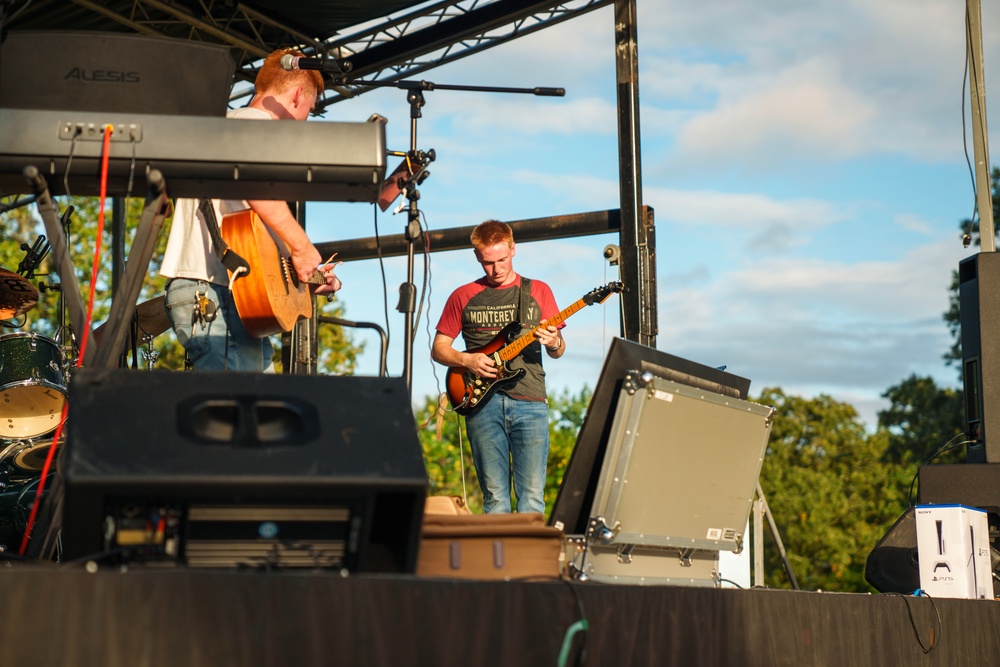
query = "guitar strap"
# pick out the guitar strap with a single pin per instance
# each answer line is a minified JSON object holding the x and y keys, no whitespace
{"x":522,"y":305}
{"x":229,"y":259}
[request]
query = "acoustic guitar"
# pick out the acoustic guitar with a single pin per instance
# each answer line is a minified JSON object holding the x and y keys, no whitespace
{"x":269,"y":298}
{"x":468,"y":393}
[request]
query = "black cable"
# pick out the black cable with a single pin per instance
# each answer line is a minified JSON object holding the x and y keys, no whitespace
{"x":428,"y":286}
{"x":69,"y":160}
{"x":944,"y":448}
{"x":424,"y":289}
{"x":935,"y":635}
{"x":385,"y":283}
{"x":965,"y":139}
{"x":581,"y":625}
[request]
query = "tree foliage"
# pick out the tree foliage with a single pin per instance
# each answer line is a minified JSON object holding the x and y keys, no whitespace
{"x":829,"y":492}
{"x":921,"y":421}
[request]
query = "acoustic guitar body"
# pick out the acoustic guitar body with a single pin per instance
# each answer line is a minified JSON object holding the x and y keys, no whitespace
{"x":269,"y":299}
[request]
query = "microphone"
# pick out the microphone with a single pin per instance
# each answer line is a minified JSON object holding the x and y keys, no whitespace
{"x":292,"y":63}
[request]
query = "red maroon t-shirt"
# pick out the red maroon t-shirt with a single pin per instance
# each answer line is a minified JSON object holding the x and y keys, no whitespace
{"x":478,"y":312}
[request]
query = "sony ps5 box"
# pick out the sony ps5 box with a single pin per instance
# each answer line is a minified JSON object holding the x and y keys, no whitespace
{"x":953,"y":547}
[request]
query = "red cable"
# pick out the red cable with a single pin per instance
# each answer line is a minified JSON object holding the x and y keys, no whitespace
{"x":105,"y":155}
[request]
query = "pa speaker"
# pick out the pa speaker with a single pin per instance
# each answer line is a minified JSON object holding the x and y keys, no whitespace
{"x":970,"y":484}
{"x":105,"y":71}
{"x":243,"y":469}
{"x":979,"y":302}
{"x":892,"y":566}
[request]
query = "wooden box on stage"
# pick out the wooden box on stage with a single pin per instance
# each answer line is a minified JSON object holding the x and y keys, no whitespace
{"x":489,"y":546}
{"x":676,"y":485}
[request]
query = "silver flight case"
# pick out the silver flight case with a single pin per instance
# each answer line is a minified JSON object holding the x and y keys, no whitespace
{"x":676,"y":485}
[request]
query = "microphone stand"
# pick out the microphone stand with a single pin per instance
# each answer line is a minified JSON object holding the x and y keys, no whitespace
{"x":418,"y":161}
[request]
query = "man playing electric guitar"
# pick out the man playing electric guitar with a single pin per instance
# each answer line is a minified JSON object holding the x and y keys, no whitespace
{"x":508,"y":430}
{"x":198,"y":301}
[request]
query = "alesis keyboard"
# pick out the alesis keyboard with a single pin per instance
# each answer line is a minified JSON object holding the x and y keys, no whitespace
{"x":198,"y":156}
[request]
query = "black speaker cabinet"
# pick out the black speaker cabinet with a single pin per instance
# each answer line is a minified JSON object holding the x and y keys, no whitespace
{"x":104,"y":71}
{"x":979,"y":301}
{"x":971,"y":484}
{"x":242,"y":470}
{"x":892,"y":566}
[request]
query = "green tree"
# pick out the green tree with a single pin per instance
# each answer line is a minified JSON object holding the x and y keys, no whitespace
{"x":831,"y":497}
{"x":921,"y":420}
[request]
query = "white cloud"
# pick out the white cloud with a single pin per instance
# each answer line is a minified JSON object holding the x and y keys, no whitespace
{"x":785,"y":82}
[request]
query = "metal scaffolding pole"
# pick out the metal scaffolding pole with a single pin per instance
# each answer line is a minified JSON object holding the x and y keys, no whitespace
{"x":638,"y":245}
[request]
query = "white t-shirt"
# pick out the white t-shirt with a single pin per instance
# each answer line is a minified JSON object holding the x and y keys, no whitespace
{"x":190,"y":252}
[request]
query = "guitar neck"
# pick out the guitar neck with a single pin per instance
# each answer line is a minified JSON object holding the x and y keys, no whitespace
{"x":515,"y":348}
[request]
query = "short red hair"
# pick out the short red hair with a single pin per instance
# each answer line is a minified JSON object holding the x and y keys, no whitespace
{"x":491,"y":233}
{"x":275,"y":79}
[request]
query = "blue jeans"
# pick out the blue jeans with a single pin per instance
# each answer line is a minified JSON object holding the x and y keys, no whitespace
{"x":222,"y":344}
{"x":507,"y":431}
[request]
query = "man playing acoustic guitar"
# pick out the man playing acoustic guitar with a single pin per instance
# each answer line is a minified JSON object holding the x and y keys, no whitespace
{"x":508,"y":425}
{"x":198,"y":301}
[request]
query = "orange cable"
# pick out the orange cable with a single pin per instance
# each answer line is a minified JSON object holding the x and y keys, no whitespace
{"x":105,"y":155}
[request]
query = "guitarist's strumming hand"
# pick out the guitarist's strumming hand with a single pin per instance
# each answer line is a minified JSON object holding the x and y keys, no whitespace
{"x":480,"y":364}
{"x":332,"y":282}
{"x":306,"y":263}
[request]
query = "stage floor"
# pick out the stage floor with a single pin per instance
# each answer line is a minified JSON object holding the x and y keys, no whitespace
{"x":61,"y":615}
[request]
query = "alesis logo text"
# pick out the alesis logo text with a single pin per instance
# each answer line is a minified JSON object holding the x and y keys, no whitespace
{"x":102,"y":76}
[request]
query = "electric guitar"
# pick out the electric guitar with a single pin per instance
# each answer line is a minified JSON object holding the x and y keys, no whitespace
{"x":468,"y":392}
{"x":269,"y":298}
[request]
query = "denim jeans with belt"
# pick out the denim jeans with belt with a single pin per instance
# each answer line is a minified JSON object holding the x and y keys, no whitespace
{"x":509,"y":435}
{"x":223,"y":343}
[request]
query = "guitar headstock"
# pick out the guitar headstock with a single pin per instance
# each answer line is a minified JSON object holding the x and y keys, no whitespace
{"x":600,"y":294}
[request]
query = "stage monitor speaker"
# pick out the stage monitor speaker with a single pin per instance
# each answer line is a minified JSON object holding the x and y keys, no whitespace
{"x":979,"y":302}
{"x":892,"y":566}
{"x":213,"y":469}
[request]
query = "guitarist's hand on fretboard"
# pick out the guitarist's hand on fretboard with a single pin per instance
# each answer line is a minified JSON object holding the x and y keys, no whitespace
{"x":550,"y":339}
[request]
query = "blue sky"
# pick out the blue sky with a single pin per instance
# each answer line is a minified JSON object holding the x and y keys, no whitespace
{"x":805,"y":162}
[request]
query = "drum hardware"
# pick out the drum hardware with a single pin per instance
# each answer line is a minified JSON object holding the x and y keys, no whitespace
{"x":33,"y":256}
{"x":150,"y":355}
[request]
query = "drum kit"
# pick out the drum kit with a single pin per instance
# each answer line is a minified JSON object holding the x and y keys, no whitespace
{"x":34,"y":376}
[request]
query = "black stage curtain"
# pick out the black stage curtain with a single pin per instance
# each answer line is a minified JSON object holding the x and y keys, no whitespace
{"x":153,"y":618}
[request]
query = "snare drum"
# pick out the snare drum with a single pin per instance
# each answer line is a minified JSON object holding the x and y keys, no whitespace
{"x":32,"y":386}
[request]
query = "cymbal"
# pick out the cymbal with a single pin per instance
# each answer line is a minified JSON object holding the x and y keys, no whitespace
{"x":17,"y":295}
{"x":153,"y":318}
